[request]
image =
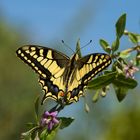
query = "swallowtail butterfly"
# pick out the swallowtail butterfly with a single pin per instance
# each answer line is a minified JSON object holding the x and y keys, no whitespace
{"x":62,"y":78}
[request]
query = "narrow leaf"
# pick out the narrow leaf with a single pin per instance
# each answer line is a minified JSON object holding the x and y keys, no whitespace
{"x":30,"y":125}
{"x":52,"y":134}
{"x":37,"y":108}
{"x":138,"y":58}
{"x":49,"y":135}
{"x":87,"y":108}
{"x":133,"y":37}
{"x":103,"y":93}
{"x":122,"y":81}
{"x":120,"y":25}
{"x":78,"y":50}
{"x":65,"y":122}
{"x":138,"y":37}
{"x":96,"y":96}
{"x":121,"y":92}
{"x":105,"y":45}
{"x":43,"y":135}
{"x":101,"y":81}
{"x":115,"y":45}
{"x":28,"y":133}
{"x":125,"y":53}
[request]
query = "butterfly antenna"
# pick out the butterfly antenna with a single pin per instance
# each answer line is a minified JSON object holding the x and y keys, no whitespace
{"x":68,"y":46}
{"x":84,"y":46}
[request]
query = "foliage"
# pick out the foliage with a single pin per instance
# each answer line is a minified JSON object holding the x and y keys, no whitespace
{"x":120,"y":75}
{"x":126,"y":126}
{"x":14,"y":96}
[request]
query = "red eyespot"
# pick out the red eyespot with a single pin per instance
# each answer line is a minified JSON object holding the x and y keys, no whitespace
{"x":61,"y":93}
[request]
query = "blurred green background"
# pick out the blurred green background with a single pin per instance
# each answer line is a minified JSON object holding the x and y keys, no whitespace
{"x":40,"y":23}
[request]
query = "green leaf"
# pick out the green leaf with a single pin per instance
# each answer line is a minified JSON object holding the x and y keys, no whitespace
{"x":103,"y":93}
{"x":87,"y":109}
{"x":102,"y":81}
{"x":78,"y":50}
{"x":133,"y":37}
{"x":30,"y":125}
{"x":138,"y":37}
{"x":30,"y":132}
{"x":120,"y":25}
{"x":119,"y":70}
{"x":49,"y":135}
{"x":27,"y":137}
{"x":105,"y":45}
{"x":52,"y":134}
{"x":125,"y":53}
{"x":138,"y":58}
{"x":34,"y":135}
{"x":65,"y":122}
{"x":37,"y":108}
{"x":121,"y":92}
{"x":115,"y":45}
{"x":96,"y":96}
{"x":43,"y":135}
{"x":122,"y":81}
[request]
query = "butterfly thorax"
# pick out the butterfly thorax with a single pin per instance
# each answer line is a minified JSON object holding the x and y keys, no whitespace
{"x":70,"y":69}
{"x":69,"y":77}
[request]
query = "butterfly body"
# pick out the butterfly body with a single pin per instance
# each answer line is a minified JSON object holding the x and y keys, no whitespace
{"x":62,"y":78}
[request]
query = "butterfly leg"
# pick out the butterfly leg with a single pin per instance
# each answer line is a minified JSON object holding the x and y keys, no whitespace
{"x":54,"y":108}
{"x":58,"y":107}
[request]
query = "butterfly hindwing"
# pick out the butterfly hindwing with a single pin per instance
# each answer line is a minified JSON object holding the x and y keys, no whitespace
{"x":51,"y":89}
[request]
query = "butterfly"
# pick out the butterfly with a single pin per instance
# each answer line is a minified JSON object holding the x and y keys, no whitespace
{"x":63,"y":78}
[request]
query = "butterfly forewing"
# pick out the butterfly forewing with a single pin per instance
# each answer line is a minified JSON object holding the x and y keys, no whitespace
{"x":43,"y":60}
{"x":91,"y":65}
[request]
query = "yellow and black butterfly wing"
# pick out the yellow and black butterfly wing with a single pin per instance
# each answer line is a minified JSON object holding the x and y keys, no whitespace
{"x":86,"y":68}
{"x":49,"y":64}
{"x":91,"y":65}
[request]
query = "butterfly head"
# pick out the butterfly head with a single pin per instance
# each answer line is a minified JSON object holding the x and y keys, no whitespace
{"x":74,"y":57}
